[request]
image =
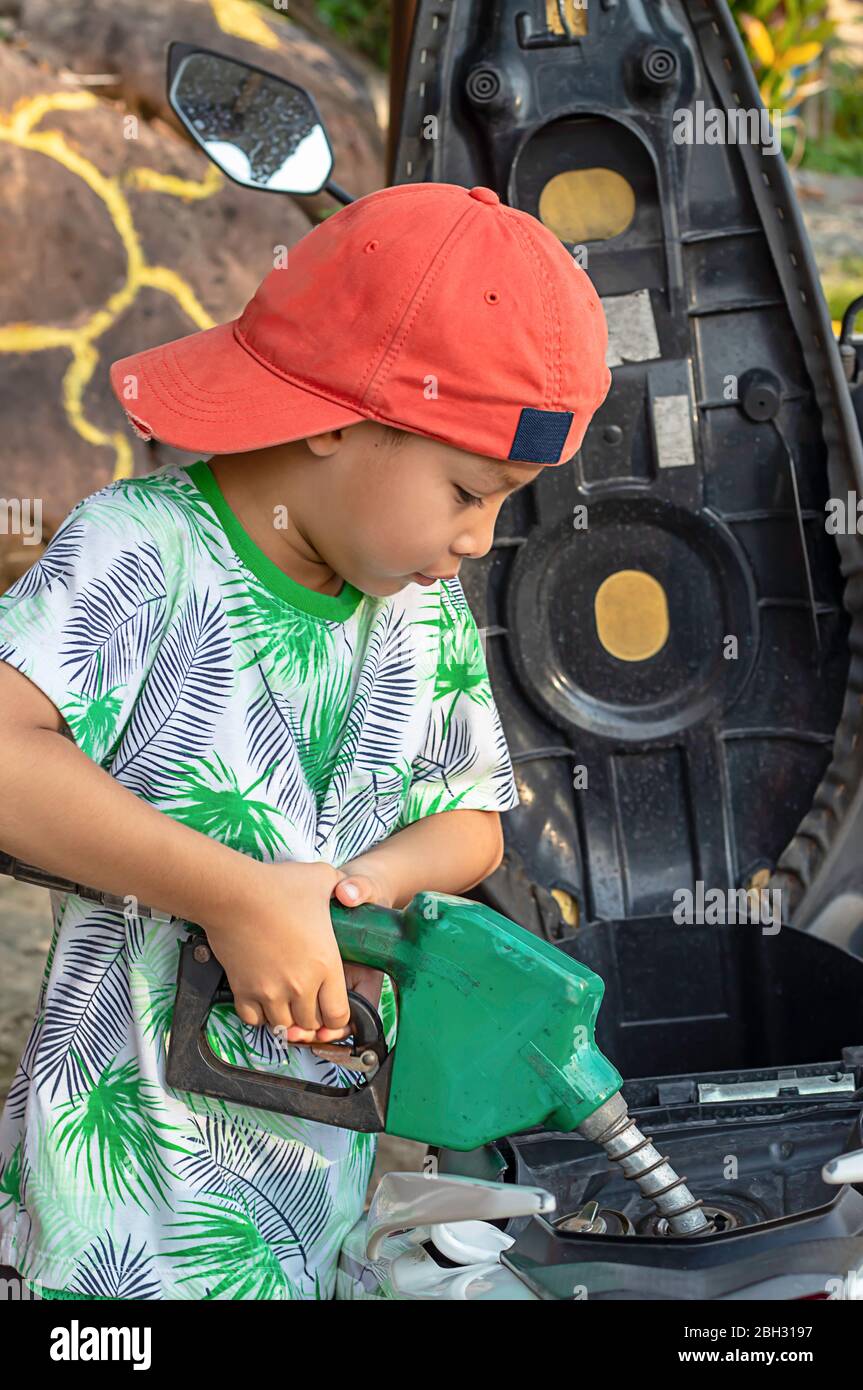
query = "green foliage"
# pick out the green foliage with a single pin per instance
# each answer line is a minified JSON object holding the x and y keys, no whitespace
{"x":834,"y":155}
{"x":792,"y":45}
{"x":846,"y":101}
{"x":785,"y":41}
{"x":364,"y":24}
{"x":841,"y":282}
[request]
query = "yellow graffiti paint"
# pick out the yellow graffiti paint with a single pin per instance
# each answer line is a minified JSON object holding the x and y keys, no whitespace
{"x":151,"y":181}
{"x":243,"y":20}
{"x":19,"y":128}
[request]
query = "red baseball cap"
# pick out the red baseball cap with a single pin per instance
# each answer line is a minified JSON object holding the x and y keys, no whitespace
{"x":429,"y":307}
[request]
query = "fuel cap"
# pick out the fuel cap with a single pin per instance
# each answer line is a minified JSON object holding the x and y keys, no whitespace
{"x":484,"y":195}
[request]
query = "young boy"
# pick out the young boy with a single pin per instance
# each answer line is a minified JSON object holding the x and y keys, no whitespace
{"x":239,"y":689}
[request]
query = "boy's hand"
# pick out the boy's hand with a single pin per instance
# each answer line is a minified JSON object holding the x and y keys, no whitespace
{"x":360,"y":882}
{"x":281,"y":956}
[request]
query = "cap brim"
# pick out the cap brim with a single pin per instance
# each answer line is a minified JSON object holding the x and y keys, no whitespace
{"x":206,"y":393}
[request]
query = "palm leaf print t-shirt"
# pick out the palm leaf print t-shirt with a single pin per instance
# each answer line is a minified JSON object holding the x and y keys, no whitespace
{"x":289,"y":725}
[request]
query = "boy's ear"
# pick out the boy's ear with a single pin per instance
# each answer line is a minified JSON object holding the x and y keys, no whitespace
{"x":322,"y":445}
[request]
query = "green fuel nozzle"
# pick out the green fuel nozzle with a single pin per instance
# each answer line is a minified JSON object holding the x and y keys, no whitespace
{"x":495,"y":1034}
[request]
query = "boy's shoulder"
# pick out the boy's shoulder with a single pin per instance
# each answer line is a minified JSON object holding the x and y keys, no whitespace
{"x":163,"y":509}
{"x":132,"y":535}
{"x":131,"y":497}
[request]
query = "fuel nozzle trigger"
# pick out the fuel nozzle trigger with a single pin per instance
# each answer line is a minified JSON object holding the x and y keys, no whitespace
{"x":192,"y":1065}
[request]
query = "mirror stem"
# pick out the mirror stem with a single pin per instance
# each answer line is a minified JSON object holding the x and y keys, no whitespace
{"x":338,"y":192}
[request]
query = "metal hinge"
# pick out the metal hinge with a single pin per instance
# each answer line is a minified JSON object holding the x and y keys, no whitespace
{"x":771,"y":1088}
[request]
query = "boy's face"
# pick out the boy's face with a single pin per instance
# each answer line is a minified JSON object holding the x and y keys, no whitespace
{"x":382,"y":515}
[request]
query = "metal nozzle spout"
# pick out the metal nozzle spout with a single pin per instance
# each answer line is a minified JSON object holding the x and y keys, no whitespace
{"x":624,"y":1143}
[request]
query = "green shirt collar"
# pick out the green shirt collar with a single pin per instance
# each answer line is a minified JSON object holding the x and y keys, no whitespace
{"x":336,"y":607}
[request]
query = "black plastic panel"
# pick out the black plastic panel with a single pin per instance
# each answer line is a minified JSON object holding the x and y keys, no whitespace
{"x":699,"y":766}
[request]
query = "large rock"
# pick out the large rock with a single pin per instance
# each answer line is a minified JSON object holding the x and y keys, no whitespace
{"x":112,"y":244}
{"x":130,"y":40}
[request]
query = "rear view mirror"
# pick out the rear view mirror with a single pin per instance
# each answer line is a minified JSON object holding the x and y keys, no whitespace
{"x":261,"y":130}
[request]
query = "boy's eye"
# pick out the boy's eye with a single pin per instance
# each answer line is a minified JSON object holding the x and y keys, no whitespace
{"x":469,"y":499}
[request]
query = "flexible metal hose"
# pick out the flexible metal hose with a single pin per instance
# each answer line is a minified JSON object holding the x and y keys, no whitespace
{"x":625,"y":1144}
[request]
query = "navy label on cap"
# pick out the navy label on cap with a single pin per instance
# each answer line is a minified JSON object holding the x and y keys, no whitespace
{"x":540,"y":435}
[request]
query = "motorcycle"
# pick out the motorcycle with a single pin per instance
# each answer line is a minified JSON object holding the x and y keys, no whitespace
{"x":533,"y":1215}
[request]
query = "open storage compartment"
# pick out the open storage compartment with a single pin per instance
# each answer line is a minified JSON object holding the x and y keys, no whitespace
{"x":718,"y":998}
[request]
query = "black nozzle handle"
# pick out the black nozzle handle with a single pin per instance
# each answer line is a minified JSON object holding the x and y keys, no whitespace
{"x":193,"y":1066}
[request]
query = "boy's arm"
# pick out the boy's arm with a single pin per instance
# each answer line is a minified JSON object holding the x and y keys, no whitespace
{"x":61,"y":811}
{"x":448,"y":852}
{"x":269,"y":924}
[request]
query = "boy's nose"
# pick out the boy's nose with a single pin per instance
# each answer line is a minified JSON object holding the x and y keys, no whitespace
{"x":478,"y":542}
